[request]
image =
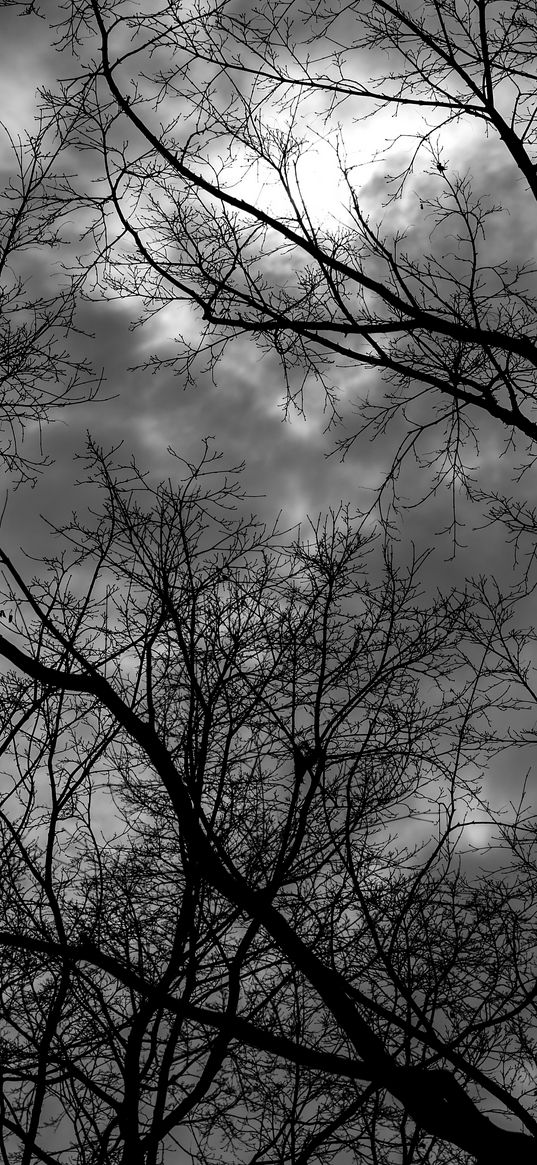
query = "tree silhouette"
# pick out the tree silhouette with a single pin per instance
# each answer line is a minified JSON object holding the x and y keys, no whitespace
{"x":239,"y":912}
{"x":245,"y":911}
{"x":202,"y":122}
{"x":39,"y":372}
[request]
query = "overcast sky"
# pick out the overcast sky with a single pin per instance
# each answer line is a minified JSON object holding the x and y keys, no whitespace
{"x":290,"y":464}
{"x":287,"y":461}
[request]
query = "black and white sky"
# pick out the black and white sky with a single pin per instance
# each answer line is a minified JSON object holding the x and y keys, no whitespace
{"x":291,"y":464}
